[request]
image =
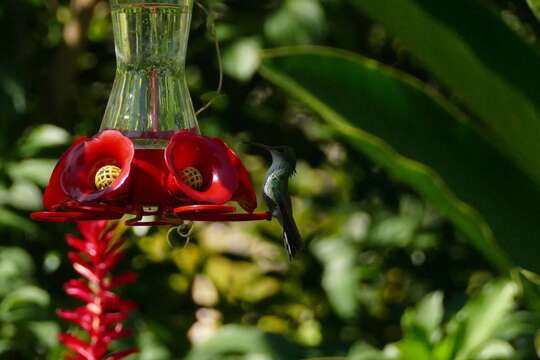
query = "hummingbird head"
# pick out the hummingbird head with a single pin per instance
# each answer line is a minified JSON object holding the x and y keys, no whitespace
{"x":284,"y":155}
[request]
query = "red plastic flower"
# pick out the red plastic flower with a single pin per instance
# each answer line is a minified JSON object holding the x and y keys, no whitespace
{"x":83,"y":162}
{"x":244,"y":195}
{"x":224,"y":176}
{"x":54,"y":196}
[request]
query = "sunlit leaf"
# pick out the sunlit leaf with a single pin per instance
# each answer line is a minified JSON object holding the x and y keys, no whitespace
{"x":395,"y":231}
{"x":43,"y":136}
{"x":241,"y":59}
{"x":297,"y":22}
{"x":232,"y":341}
{"x":472,"y":328}
{"x":37,"y":170}
{"x":426,"y":318}
{"x":410,"y":349}
{"x":24,"y":304}
{"x":46,"y":332}
{"x":12,"y":220}
{"x":364,"y":351}
{"x":151,"y":348}
{"x":535,"y":7}
{"x":496,"y":350}
{"x":25,"y":195}
{"x":15,"y":91}
{"x":16,"y":268}
{"x":340,"y":276}
{"x":5,"y":346}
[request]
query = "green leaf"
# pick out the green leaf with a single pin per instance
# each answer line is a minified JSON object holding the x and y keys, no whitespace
{"x":426,"y":317}
{"x":412,"y":349}
{"x":25,"y":195}
{"x":340,"y":277}
{"x":151,"y":348}
{"x":46,"y":332}
{"x":469,"y":49}
{"x":42,"y":137}
{"x":535,"y":7}
{"x":397,"y":231}
{"x":421,"y":140}
{"x":15,"y":91}
{"x":496,"y":350}
{"x":473,"y":327}
{"x":16,"y":268}
{"x":5,"y":346}
{"x":24,"y":304}
{"x":15,"y":221}
{"x":36,"y":170}
{"x":364,"y":351}
{"x":241,"y":59}
{"x":297,"y":22}
{"x":232,"y":341}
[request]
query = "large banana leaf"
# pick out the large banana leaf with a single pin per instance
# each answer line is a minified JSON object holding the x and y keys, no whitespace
{"x":535,"y":7}
{"x":421,"y":140}
{"x":483,"y":63}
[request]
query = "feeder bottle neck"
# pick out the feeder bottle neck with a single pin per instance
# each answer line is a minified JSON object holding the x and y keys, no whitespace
{"x":150,"y":98}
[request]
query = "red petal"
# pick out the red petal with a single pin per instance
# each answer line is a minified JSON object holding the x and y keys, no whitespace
{"x":92,"y":230}
{"x":111,"y":302}
{"x":54,"y":195}
{"x":75,"y":344}
{"x":78,"y":284}
{"x":80,"y":316}
{"x":86,"y":272}
{"x":76,"y":243}
{"x":79,"y":290}
{"x":123,"y":279}
{"x":111,"y":260}
{"x":110,"y":147}
{"x":69,"y":315}
{"x":207,"y":155}
{"x":113,"y":318}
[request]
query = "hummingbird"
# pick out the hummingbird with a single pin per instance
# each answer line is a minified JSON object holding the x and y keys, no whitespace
{"x":276,"y":194}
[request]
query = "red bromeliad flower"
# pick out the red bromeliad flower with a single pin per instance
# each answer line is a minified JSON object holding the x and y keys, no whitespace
{"x":97,"y":253}
{"x":106,"y":177}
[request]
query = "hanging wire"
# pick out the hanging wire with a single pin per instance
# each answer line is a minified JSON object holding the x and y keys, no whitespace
{"x":183,"y":231}
{"x":211,"y":27}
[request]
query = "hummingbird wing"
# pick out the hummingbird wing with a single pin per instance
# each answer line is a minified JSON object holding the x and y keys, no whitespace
{"x":291,"y":236}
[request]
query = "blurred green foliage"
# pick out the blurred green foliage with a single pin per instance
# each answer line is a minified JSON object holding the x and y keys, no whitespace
{"x":416,"y":191}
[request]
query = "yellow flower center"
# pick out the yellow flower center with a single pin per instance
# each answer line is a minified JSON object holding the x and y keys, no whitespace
{"x":106,"y":176}
{"x":192,"y":177}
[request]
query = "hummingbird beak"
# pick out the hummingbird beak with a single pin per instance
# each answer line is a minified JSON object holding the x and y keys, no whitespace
{"x":258,"y":145}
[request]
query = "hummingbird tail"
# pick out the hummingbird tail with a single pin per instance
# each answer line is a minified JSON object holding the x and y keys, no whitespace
{"x":291,"y":237}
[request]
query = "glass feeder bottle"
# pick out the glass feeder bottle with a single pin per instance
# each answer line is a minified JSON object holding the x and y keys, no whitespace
{"x":150,"y":100}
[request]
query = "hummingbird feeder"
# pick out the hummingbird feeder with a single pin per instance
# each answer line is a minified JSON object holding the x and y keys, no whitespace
{"x":149,"y":158}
